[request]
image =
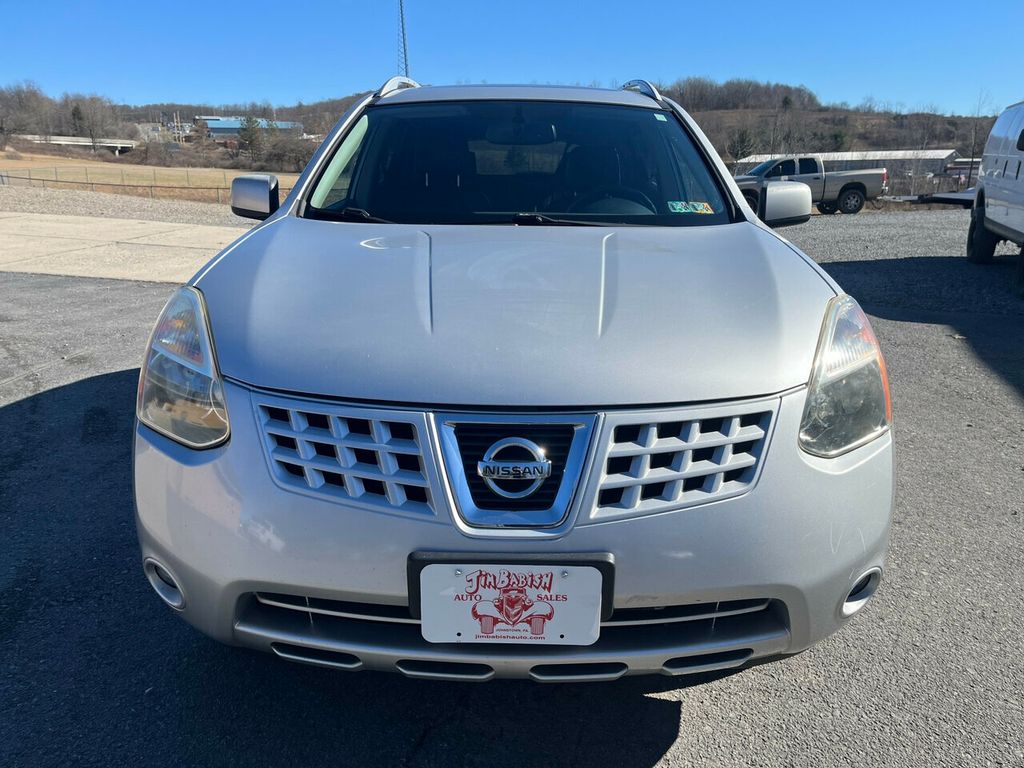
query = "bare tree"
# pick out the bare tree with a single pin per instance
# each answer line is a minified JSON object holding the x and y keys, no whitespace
{"x":24,"y":109}
{"x":982,"y":107}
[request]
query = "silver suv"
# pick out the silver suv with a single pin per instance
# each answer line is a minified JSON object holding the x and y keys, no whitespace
{"x":514,"y":384}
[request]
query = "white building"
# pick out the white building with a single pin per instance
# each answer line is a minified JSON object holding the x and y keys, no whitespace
{"x":916,"y":162}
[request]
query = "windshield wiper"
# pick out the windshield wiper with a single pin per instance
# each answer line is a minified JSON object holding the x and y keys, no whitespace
{"x":539,"y":219}
{"x":349,"y":214}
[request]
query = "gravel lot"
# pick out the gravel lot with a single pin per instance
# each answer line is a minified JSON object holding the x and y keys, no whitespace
{"x":97,"y":672}
{"x":912,"y":261}
{"x":73,"y":202}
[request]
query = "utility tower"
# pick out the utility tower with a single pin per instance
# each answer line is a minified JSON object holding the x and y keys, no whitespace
{"x":403,"y":48}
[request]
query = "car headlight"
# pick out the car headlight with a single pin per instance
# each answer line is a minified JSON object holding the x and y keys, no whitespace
{"x":848,"y":400}
{"x":180,"y":390}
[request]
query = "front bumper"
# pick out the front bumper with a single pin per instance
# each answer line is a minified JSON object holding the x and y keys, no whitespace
{"x":233,"y":539}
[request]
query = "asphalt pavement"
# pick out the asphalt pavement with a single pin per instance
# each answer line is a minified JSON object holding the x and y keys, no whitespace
{"x":97,"y":672}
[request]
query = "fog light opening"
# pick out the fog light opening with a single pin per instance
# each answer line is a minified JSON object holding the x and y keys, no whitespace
{"x":863,"y":590}
{"x":164,"y":584}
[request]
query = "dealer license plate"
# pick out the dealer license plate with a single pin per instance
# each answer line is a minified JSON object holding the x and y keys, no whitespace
{"x":530,"y":604}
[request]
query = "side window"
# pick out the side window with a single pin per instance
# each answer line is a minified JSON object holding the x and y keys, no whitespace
{"x":1020,"y":142}
{"x":808,"y":165}
{"x":333,"y":185}
{"x":785,"y":168}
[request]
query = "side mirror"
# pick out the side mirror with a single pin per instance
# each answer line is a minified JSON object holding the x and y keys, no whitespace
{"x":785,"y":203}
{"x":254,"y":196}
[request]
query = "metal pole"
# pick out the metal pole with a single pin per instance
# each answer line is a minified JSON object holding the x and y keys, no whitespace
{"x":403,"y":48}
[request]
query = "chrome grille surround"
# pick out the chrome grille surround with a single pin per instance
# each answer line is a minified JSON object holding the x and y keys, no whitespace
{"x":374,"y":458}
{"x":562,"y":504}
{"x":656,"y":461}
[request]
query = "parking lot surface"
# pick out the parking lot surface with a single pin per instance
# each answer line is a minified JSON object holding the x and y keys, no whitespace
{"x":97,"y":672}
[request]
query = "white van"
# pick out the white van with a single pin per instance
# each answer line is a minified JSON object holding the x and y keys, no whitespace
{"x":998,"y":212}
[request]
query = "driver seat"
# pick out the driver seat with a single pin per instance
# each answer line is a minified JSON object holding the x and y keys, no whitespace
{"x":584,"y":170}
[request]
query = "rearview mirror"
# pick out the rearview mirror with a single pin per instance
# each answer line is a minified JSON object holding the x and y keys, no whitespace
{"x":255,"y":195}
{"x":520,"y":133}
{"x":785,"y":203}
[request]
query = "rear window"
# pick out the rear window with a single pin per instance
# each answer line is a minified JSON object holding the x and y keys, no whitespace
{"x":489,"y":162}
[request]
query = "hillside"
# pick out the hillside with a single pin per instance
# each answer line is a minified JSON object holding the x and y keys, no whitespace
{"x":740,"y":132}
{"x":741,"y":117}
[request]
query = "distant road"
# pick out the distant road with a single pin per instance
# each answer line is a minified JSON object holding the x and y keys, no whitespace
{"x":117,"y":145}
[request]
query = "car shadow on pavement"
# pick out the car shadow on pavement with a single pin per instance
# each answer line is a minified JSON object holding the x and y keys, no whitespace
{"x":98,"y":671}
{"x":977,"y":301}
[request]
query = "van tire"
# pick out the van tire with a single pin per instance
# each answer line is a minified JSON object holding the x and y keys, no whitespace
{"x":827,"y":209}
{"x":981,"y":244}
{"x":850,"y":201}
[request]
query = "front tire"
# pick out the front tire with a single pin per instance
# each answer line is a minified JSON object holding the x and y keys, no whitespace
{"x":827,"y":209}
{"x":850,"y":201}
{"x":981,"y":244}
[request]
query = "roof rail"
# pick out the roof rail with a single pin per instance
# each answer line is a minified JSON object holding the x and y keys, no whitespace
{"x":644,"y":87}
{"x":395,"y":84}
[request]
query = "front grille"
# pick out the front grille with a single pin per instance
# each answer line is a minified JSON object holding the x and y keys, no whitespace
{"x":363,"y":456}
{"x":641,"y":462}
{"x":672,"y":460}
{"x":474,"y":440}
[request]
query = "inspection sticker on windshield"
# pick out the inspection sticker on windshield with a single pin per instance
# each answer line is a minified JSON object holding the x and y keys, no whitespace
{"x":683,"y":206}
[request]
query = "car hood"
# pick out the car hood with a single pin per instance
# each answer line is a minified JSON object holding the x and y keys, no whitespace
{"x":515,"y":315}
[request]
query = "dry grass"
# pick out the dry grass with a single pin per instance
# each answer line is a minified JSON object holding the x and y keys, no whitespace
{"x":200,"y":184}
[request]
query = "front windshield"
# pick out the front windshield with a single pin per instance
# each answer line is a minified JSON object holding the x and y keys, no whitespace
{"x":529,"y":162}
{"x":760,"y":168}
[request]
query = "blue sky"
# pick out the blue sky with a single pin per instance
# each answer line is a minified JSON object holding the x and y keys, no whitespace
{"x":914,"y":54}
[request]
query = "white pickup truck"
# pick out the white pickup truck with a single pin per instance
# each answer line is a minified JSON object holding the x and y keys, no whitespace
{"x":832,"y":191}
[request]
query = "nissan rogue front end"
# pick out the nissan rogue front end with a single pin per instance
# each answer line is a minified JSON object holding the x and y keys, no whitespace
{"x":514,"y":384}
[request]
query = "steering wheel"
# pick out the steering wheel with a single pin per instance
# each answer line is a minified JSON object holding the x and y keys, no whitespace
{"x":609,"y":192}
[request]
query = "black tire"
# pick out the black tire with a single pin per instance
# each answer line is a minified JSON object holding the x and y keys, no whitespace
{"x":981,"y":244}
{"x":751,"y":198}
{"x":850,"y":201}
{"x":827,"y":209}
